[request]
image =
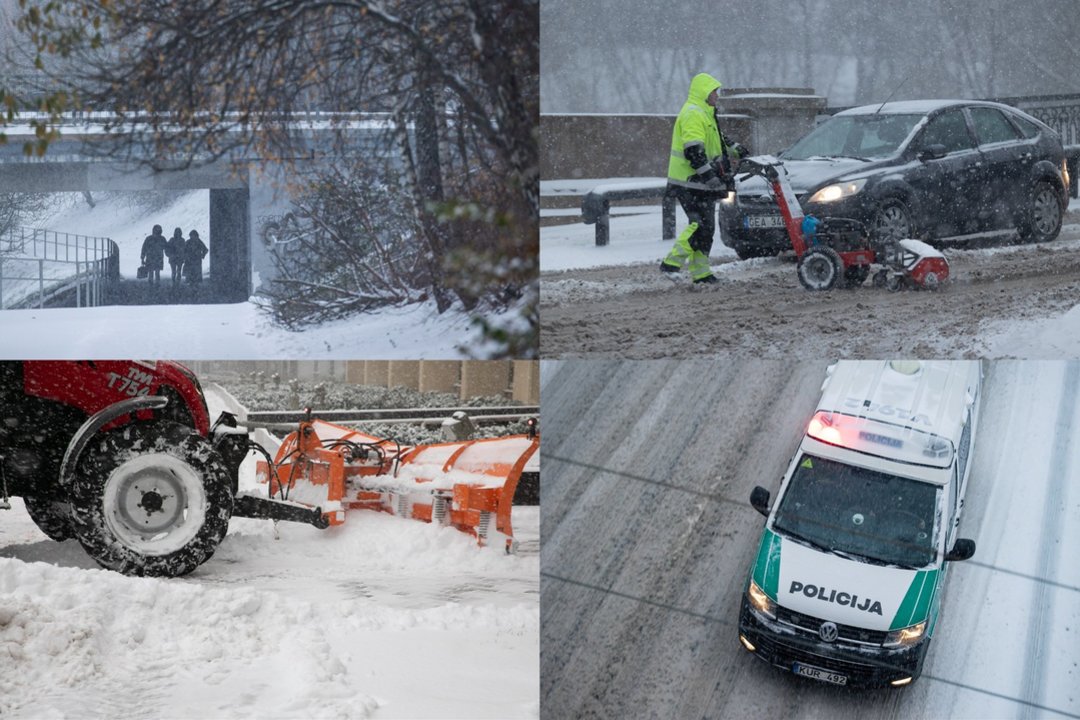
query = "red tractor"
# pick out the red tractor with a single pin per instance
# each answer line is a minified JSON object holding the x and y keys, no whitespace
{"x":837,"y":252}
{"x":121,"y":455}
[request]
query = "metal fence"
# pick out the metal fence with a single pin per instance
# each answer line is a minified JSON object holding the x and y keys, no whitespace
{"x":39,"y":266}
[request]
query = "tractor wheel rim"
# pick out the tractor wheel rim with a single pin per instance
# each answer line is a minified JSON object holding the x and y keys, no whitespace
{"x":1046,"y":211}
{"x":155,"y":504}
{"x":819,"y":270}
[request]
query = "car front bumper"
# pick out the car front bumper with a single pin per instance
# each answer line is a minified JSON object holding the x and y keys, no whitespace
{"x":735,"y":232}
{"x":863,"y":666}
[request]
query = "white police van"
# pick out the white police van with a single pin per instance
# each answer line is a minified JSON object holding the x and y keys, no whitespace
{"x":847,"y":581}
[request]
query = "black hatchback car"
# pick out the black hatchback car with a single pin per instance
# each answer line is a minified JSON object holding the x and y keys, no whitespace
{"x":922,"y":169}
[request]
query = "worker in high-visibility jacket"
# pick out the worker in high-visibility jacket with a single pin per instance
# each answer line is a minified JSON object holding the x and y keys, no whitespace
{"x":699,"y":173}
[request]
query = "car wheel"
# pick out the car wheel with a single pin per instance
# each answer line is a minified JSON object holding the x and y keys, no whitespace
{"x":856,"y":275}
{"x":892,"y":221}
{"x":151,"y":499}
{"x":820,"y":268}
{"x":1042,"y":216}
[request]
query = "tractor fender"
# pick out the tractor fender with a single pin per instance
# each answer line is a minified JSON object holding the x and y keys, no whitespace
{"x":97,"y":421}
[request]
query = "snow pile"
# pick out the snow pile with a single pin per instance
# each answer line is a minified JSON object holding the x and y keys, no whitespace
{"x":75,"y":640}
{"x":380,"y":614}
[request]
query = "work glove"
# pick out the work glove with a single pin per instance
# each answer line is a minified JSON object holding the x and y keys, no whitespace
{"x":711,"y":178}
{"x":740,"y":151}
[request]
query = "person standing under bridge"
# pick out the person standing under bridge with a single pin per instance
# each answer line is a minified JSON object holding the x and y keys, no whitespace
{"x":194,"y":252}
{"x":153,"y":255}
{"x":699,"y":171}
{"x":174,"y":250}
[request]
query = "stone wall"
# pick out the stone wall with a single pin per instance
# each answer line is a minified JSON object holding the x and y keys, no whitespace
{"x":767,"y":120}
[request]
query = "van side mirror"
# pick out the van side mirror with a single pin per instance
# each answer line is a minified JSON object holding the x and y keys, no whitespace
{"x":932,"y":152}
{"x":962,"y":550}
{"x":759,"y":498}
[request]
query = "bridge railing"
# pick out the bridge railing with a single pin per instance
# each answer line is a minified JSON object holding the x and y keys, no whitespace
{"x":38,"y":266}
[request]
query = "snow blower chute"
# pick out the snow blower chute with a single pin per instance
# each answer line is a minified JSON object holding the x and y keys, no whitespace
{"x":469,"y":484}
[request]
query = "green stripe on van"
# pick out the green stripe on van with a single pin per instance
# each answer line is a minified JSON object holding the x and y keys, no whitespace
{"x":767,"y":565}
{"x":916,"y":602}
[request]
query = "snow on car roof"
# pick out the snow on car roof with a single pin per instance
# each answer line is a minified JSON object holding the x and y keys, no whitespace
{"x":909,"y":107}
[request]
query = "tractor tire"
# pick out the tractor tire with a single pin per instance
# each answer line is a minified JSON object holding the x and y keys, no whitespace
{"x":1042,"y":218}
{"x":151,"y":499}
{"x":856,"y":275}
{"x":820,"y":268}
{"x":53,"y":517}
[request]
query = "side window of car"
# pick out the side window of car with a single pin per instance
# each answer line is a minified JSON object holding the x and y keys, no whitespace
{"x":948,"y":129}
{"x":1027,"y":128}
{"x":991,"y":126}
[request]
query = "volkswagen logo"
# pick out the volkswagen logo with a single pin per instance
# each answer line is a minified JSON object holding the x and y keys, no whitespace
{"x":828,"y":631}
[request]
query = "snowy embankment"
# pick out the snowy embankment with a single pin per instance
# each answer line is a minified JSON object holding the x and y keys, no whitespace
{"x":228,"y":331}
{"x":380,"y":617}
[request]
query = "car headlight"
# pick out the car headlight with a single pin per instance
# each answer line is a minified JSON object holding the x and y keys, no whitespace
{"x":906,"y":636}
{"x":1065,"y":175}
{"x":838,"y":191}
{"x":760,"y":601}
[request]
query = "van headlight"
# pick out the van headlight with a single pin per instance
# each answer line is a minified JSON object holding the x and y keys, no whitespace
{"x":760,"y":601}
{"x":837,"y":191}
{"x":905,"y":637}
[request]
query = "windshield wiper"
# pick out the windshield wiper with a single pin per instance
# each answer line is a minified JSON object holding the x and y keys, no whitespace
{"x":804,"y":540}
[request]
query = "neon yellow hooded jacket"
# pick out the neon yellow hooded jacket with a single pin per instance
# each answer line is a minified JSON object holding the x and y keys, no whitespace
{"x":695,"y":125}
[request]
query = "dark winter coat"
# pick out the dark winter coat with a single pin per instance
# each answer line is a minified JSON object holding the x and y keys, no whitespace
{"x":174,"y":250}
{"x":153,"y":252}
{"x":194,"y":252}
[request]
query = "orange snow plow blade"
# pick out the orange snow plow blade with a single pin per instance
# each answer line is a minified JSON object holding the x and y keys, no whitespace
{"x":469,"y":484}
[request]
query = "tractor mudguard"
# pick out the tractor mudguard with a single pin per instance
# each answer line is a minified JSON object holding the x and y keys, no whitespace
{"x":97,"y":421}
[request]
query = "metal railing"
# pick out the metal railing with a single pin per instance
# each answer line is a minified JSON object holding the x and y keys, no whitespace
{"x":38,"y":266}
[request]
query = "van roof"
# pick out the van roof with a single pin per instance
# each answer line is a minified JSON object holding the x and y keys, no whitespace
{"x":925,"y":396}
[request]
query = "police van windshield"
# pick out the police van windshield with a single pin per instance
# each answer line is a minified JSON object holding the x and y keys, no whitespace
{"x":870,"y":515}
{"x":859,"y":136}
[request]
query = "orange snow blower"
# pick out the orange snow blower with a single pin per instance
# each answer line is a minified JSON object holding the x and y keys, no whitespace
{"x":469,"y":485}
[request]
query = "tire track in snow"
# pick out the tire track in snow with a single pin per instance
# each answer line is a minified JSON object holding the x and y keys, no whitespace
{"x":1042,"y":596}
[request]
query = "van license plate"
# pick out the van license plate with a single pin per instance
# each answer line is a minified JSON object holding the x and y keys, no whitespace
{"x":819,"y":674}
{"x":764,"y":221}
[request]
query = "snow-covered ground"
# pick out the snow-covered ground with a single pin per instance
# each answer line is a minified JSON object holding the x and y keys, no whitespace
{"x":382,"y":617}
{"x":238,"y":330}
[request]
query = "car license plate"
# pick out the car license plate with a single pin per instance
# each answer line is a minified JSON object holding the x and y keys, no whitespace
{"x":819,"y":674}
{"x":763,"y":221}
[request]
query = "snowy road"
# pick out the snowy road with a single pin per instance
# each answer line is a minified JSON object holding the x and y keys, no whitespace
{"x":648,"y":536}
{"x":1003,"y":301}
{"x":382,"y":617}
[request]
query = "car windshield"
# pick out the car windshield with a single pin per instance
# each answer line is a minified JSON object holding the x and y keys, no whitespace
{"x":858,"y":136}
{"x":869,"y":515}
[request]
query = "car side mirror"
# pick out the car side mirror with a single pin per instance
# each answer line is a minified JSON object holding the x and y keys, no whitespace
{"x":932,"y":152}
{"x":759,"y":498}
{"x":962,"y":550}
